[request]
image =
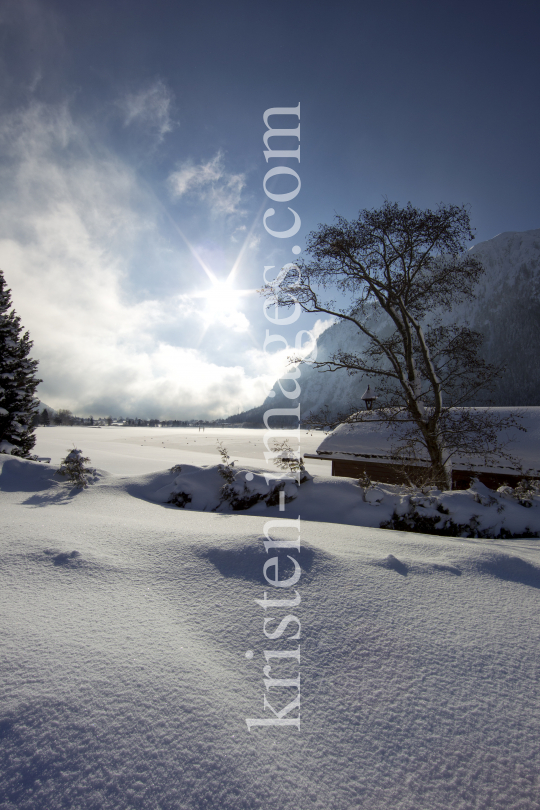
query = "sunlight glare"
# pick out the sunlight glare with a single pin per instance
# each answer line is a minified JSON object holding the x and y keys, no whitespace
{"x":221,"y":306}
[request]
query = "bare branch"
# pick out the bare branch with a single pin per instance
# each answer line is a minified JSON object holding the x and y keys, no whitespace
{"x":401,"y":267}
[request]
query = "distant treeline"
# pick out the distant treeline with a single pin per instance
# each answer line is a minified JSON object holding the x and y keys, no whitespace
{"x":66,"y":417}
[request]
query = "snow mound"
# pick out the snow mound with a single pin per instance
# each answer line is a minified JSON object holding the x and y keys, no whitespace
{"x":207,"y":489}
{"x":128,"y":671}
{"x":71,"y":558}
{"x":476,"y":512}
{"x":396,"y":565}
{"x":21,"y":475}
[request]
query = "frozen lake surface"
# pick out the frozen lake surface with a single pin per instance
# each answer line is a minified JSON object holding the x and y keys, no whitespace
{"x":131,"y":450}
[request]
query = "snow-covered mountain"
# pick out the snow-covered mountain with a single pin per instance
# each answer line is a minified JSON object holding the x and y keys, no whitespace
{"x":506,"y":311}
{"x":43,"y":406}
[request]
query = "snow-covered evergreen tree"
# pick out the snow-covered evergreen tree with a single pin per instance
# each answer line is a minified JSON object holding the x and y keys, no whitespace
{"x":18,"y":381}
{"x":73,"y":467}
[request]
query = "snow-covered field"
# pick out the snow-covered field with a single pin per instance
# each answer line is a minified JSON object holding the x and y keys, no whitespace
{"x":130,"y":451}
{"x":124,"y":676}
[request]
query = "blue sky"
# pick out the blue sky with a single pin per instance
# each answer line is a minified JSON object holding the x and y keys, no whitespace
{"x":131,"y":170}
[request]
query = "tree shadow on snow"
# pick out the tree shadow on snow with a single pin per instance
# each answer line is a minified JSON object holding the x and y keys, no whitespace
{"x":19,"y":475}
{"x":60,"y":497}
{"x":396,"y":565}
{"x":510,"y":568}
{"x":246,"y":562}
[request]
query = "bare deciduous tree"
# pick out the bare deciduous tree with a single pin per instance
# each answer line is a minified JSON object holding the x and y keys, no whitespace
{"x":393,"y":271}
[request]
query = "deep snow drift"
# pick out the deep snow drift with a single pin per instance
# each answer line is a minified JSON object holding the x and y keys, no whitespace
{"x":125,"y":682}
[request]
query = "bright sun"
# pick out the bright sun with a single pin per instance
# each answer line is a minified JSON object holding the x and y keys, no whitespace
{"x":221,"y":306}
{"x":220,"y":303}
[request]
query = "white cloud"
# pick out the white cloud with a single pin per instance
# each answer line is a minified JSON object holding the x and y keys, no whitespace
{"x":211,"y":183}
{"x":72,"y":222}
{"x":321,"y":325}
{"x":238,"y":232}
{"x":150,"y":107}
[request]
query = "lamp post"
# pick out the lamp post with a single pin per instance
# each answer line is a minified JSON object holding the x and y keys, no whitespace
{"x":369,"y":397}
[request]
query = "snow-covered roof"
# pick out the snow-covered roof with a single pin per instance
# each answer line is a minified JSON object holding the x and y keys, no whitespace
{"x":371,"y":438}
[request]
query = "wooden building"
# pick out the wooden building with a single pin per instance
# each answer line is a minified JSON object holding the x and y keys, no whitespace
{"x":362,"y":448}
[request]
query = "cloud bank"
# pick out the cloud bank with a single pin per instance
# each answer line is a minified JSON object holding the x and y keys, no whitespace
{"x":74,"y":223}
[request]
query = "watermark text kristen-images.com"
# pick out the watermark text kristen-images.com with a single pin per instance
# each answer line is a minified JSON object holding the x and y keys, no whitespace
{"x":278,"y":620}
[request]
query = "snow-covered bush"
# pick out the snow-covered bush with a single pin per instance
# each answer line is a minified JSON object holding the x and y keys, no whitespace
{"x":365,"y":481}
{"x":290,"y":460}
{"x":476,"y":512}
{"x":524,"y":493}
{"x":73,"y":467}
{"x":202,"y":489}
{"x":180,"y":499}
{"x":249,"y":488}
{"x":243,"y":489}
{"x":228,"y":491}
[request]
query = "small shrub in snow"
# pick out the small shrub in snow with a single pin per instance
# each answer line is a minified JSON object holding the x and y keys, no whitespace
{"x":366,"y":484}
{"x":73,"y":467}
{"x":227,"y":472}
{"x":243,"y":490}
{"x":365,"y":481}
{"x":288,"y":487}
{"x":290,"y":460}
{"x":226,"y":467}
{"x":241,"y":496}
{"x":180,"y":499}
{"x":201,"y":489}
{"x":525,"y":493}
{"x":414,"y":521}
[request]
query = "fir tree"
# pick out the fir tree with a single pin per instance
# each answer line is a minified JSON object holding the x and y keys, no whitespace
{"x":73,"y":467}
{"x":18,"y":381}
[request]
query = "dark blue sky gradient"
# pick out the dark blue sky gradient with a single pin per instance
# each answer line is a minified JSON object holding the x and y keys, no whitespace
{"x":422,"y":101}
{"x":419,"y":101}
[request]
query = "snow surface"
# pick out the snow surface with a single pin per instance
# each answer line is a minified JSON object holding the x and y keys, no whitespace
{"x":132,"y":450}
{"x":125,"y":681}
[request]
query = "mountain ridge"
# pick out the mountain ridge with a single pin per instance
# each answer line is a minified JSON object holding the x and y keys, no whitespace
{"x":506,"y":311}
